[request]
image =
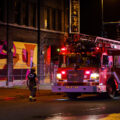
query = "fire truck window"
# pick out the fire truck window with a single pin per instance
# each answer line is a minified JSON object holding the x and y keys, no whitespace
{"x":60,"y":60}
{"x":79,"y":60}
{"x":105,"y":60}
{"x":110,"y":58}
{"x":117,"y":61}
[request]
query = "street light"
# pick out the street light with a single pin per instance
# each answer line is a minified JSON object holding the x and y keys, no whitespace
{"x":102,"y":17}
{"x":38,"y":42}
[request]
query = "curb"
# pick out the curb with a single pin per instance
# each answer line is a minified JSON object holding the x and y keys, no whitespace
{"x":21,"y":84}
{"x":18,"y":93}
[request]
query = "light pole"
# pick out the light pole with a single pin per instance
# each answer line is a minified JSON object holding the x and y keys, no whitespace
{"x":38,"y":42}
{"x":102,"y":17}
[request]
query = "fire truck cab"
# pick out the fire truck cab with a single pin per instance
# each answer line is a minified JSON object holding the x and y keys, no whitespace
{"x":95,"y":70}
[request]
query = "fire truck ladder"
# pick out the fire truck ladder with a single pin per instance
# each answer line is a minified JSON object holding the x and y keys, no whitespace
{"x":97,"y":39}
{"x":106,"y":40}
{"x":113,"y":43}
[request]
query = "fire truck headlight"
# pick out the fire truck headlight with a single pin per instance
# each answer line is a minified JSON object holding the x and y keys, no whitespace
{"x":94,"y":76}
{"x":59,"y":76}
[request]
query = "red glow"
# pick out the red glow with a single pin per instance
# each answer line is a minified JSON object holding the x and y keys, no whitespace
{"x":97,"y":48}
{"x":87,"y":72}
{"x":63,"y":49}
{"x":48,"y":56}
{"x":63,"y":72}
{"x":9,"y":98}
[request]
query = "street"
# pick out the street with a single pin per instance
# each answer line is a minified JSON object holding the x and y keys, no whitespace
{"x":59,"y":107}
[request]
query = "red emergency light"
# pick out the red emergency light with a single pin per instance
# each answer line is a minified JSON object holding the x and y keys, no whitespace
{"x":63,"y":50}
{"x":97,"y":48}
{"x":63,"y":72}
{"x":87,"y":72}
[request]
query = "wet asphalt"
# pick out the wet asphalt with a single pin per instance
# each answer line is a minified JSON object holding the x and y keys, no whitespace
{"x":58,"y":107}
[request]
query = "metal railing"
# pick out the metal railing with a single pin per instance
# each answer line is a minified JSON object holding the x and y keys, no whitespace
{"x":20,"y":72}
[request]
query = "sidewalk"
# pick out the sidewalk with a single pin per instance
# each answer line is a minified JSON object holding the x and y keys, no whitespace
{"x":19,"y":90}
{"x":19,"y":93}
{"x":22,"y":84}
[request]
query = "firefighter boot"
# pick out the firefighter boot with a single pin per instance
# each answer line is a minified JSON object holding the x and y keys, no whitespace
{"x":30,"y":98}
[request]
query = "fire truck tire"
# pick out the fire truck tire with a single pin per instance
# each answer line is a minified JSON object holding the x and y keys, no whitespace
{"x":111,"y":90}
{"x":72,"y":96}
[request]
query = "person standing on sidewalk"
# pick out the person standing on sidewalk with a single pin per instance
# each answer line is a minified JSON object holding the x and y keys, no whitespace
{"x":32,"y":83}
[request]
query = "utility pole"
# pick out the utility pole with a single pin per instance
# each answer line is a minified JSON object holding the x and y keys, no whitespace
{"x":9,"y":49}
{"x":38,"y":41}
{"x":102,"y":17}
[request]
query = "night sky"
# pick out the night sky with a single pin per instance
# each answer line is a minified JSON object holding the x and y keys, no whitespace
{"x":91,"y":15}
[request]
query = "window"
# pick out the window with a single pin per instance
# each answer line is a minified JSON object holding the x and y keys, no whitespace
{"x":54,"y":19}
{"x":105,"y":60}
{"x":25,"y":14}
{"x":48,"y":18}
{"x":59,"y":20}
{"x":2,"y":10}
{"x":17,"y":9}
{"x":117,"y":61}
{"x":34,"y":15}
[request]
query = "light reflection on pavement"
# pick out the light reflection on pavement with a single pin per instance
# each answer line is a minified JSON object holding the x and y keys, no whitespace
{"x":89,"y":117}
{"x":60,"y":116}
{"x":114,"y":116}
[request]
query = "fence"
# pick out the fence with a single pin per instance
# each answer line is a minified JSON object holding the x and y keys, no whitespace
{"x":20,"y":72}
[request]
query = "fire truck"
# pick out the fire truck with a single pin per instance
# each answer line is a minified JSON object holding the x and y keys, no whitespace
{"x":88,"y":64}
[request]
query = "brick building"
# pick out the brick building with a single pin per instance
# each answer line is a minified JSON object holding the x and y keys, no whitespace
{"x":20,"y":23}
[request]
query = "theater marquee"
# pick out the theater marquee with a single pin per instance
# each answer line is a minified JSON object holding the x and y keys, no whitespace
{"x":74,"y":16}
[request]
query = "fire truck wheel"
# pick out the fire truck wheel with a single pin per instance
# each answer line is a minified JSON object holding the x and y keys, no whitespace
{"x":72,"y":96}
{"x":111,"y":90}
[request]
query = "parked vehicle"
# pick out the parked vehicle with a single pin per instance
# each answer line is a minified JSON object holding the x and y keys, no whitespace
{"x":88,"y":65}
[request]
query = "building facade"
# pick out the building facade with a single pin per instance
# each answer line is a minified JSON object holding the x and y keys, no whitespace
{"x":30,"y":33}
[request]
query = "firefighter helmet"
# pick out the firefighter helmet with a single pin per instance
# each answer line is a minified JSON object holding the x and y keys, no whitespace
{"x":33,"y":69}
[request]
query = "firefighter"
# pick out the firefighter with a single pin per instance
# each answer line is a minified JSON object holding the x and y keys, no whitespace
{"x":32,"y":83}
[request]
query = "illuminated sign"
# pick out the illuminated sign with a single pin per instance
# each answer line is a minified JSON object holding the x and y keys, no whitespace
{"x":74,"y":16}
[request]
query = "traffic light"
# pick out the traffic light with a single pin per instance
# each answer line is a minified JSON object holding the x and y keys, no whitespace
{"x":58,"y":49}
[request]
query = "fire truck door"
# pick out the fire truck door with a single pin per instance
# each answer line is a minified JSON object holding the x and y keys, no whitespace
{"x":105,"y":70}
{"x":116,"y":69}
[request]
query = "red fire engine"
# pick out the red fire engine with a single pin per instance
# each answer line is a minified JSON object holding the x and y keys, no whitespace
{"x":88,"y":65}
